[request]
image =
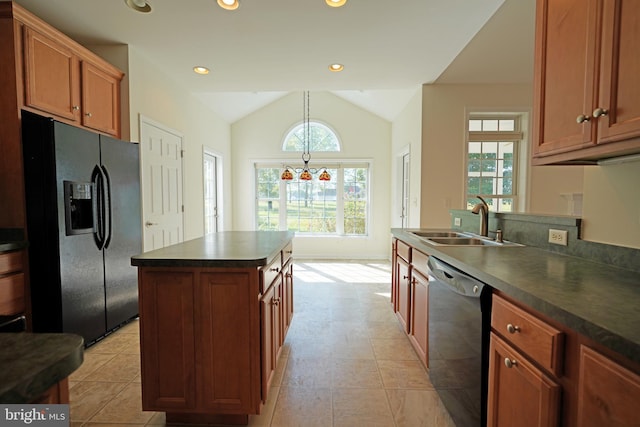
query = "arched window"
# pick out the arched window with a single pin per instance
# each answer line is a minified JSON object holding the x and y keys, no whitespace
{"x":321,"y":138}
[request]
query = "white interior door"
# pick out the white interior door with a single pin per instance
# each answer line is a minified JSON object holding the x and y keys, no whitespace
{"x":405,"y":190}
{"x":161,"y":185}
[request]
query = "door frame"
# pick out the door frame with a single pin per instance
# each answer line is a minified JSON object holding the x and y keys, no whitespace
{"x":206,"y":151}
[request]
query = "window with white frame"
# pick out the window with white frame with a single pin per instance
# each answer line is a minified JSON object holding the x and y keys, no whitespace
{"x":336,"y":207}
{"x":492,"y":161}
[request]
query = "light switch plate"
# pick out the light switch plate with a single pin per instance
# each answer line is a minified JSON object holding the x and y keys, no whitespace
{"x":558,"y":237}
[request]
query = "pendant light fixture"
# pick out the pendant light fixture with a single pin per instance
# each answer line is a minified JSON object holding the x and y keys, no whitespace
{"x":306,"y":173}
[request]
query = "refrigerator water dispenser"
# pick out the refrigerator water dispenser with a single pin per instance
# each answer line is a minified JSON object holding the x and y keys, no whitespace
{"x":78,"y":207}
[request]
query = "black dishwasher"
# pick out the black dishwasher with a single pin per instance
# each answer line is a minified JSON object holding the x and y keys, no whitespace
{"x":459,"y":322}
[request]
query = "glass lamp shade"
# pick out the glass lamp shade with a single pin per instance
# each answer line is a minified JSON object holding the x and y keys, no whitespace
{"x":305,"y":175}
{"x":286,"y":175}
{"x":324,"y":176}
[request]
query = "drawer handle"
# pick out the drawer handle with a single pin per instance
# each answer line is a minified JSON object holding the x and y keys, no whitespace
{"x":405,"y":277}
{"x":512,"y":329}
{"x":510,"y":363}
{"x":276,"y":269}
{"x":276,"y":301}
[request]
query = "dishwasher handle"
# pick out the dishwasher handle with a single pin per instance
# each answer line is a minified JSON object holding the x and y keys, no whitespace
{"x":456,"y":280}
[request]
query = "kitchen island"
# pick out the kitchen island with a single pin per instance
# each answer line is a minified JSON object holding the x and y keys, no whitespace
{"x":214,"y":312}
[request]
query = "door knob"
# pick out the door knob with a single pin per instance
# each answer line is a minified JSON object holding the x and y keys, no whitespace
{"x":149,"y":223}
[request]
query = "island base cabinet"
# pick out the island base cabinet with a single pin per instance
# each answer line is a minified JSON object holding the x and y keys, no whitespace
{"x":200,"y":341}
{"x":519,"y":393}
{"x":608,"y":394}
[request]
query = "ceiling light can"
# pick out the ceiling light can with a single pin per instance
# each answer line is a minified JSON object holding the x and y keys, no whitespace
{"x":138,"y":5}
{"x":336,"y":3}
{"x":201,"y":70}
{"x":229,"y":4}
{"x":336,"y":67}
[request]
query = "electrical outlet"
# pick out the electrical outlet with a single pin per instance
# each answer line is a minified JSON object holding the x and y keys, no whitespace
{"x":558,"y":237}
{"x":456,"y":222}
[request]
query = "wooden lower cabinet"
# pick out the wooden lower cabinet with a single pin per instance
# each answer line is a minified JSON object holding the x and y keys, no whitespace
{"x":608,"y":393}
{"x":419,"y":326}
{"x":200,"y":341}
{"x":271,"y":328}
{"x":520,"y":394}
{"x":403,"y":294}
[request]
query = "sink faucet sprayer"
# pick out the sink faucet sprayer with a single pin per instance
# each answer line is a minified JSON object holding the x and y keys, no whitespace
{"x":484,"y":219}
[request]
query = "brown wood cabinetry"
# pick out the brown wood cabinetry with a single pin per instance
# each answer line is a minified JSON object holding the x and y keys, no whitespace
{"x":12,"y":283}
{"x":585,"y":86}
{"x":520,"y":391}
{"x":608,"y":393}
{"x":403,"y":295}
{"x":211,"y":338}
{"x":419,"y":308}
{"x":46,"y":72}
{"x":520,"y":394}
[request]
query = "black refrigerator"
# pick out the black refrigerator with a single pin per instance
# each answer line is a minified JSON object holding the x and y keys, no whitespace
{"x":83,"y":225}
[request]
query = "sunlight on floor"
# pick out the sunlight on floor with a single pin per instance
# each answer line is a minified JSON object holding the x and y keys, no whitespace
{"x":352,"y":272}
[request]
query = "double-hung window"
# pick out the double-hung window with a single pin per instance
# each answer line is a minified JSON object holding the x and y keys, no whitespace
{"x":492,"y":154}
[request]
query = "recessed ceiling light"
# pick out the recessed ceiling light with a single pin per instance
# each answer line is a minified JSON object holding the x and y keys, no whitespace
{"x":201,"y":70}
{"x":336,"y":3}
{"x":229,"y":4}
{"x":138,"y":5}
{"x":336,"y":67}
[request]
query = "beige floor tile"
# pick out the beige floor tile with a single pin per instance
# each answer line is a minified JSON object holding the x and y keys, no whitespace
{"x":118,"y":343}
{"x":407,"y":374}
{"x":132,"y":327}
{"x":360,"y":373}
{"x":126,"y":407}
{"x":92,"y":361}
{"x":363,"y":421}
{"x":86,"y":398}
{"x":297,"y":402}
{"x":361,"y":406}
{"x":311,"y":373}
{"x":121,"y":368}
{"x":393,"y":349}
{"x":279,"y":373}
{"x":418,"y":408}
{"x":385,"y":330}
{"x":158,"y":419}
{"x":290,"y":420}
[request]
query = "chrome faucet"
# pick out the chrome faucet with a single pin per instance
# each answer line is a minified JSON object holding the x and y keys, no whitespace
{"x":484,"y":219}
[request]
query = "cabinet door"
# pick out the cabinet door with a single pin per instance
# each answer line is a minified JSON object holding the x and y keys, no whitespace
{"x":419,"y":329}
{"x":608,"y":394}
{"x":100,"y":100}
{"x":519,"y":393}
{"x":167,"y":340}
{"x":270,"y":334}
{"x":287,"y":298}
{"x":564,"y":75}
{"x":620,"y":68}
{"x":51,"y":76}
{"x":404,"y":293}
{"x":223,"y":325}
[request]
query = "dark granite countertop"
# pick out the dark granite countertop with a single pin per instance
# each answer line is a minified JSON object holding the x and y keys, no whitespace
{"x":33,"y":363}
{"x":12,"y":239}
{"x":597,"y":300}
{"x":231,"y":249}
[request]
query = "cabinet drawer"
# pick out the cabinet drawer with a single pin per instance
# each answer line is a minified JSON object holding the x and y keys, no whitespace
{"x":419,"y":261}
{"x":12,"y":294}
{"x":403,"y":250}
{"x":269,"y":272}
{"x":10,"y":262}
{"x":287,"y":252}
{"x":537,"y":339}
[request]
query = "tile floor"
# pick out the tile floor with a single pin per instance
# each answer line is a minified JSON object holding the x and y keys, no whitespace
{"x":345,"y":362}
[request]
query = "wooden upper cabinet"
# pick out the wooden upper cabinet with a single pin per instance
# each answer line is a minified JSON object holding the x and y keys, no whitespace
{"x":51,"y":76}
{"x":100,"y":99}
{"x":585,"y":84}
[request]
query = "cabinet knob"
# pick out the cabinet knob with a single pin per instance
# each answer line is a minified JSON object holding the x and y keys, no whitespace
{"x":510,"y":363}
{"x":405,"y":277}
{"x":76,"y":107}
{"x":582,"y":118}
{"x":88,"y":114}
{"x":276,"y":269}
{"x":598,"y":112}
{"x":276,"y":301}
{"x":512,"y":329}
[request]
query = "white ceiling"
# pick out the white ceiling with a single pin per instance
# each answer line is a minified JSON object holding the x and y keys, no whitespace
{"x":267,"y":48}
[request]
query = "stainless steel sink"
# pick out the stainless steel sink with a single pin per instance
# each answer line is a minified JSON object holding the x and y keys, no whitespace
{"x":462,"y":241}
{"x":430,"y":234}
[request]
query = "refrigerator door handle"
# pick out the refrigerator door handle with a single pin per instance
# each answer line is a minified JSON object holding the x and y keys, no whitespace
{"x":108,"y":208}
{"x":98,"y":228}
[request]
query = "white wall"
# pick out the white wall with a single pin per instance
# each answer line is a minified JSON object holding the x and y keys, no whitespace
{"x":154,"y":94}
{"x":406,"y":135}
{"x":443,"y":150}
{"x":611,"y":211}
{"x":259,"y":136}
